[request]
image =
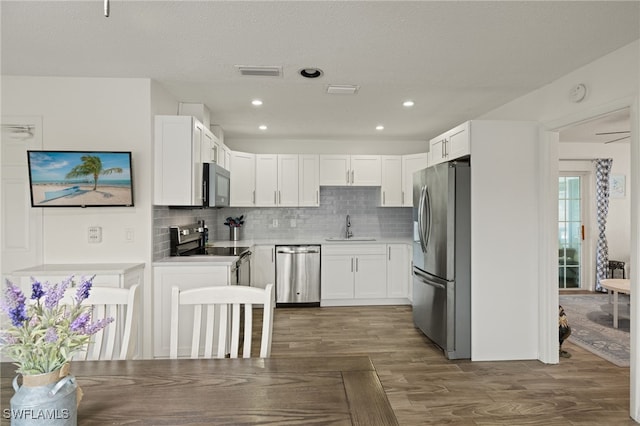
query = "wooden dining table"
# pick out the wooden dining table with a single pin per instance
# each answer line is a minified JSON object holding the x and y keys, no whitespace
{"x":341,"y":390}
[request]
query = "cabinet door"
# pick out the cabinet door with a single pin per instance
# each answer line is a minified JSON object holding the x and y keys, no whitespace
{"x":366,"y":170}
{"x":398,"y":270}
{"x":184,"y":277}
{"x":309,"y":180}
{"x":337,"y":277}
{"x":391,"y":188}
{"x":458,"y":142}
{"x":209,"y":152}
{"x":288,"y":180}
{"x":437,"y":151}
{"x":370,"y":276}
{"x":263,"y":266}
{"x":242,"y":179}
{"x":266,"y":180}
{"x":178,"y":163}
{"x":334,"y":170}
{"x":411,"y":164}
{"x":226,"y":152}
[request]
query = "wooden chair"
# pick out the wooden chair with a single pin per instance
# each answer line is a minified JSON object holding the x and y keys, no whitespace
{"x":218,"y":325}
{"x":115,"y":340}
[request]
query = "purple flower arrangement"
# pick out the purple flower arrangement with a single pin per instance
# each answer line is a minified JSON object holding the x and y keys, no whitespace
{"x":48,"y":329}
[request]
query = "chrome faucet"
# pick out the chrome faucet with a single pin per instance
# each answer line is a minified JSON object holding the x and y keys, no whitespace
{"x":348,"y":233}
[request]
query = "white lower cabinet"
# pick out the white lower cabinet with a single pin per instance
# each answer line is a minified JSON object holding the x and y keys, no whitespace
{"x":263,"y":266}
{"x":398,"y":270}
{"x":353,"y":274}
{"x":185,"y":276}
{"x":365,"y":274}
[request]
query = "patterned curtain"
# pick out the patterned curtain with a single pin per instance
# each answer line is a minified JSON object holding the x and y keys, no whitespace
{"x":603,"y":169}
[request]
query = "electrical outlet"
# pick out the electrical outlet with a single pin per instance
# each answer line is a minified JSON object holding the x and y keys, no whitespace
{"x":275,"y":223}
{"x":95,"y":234}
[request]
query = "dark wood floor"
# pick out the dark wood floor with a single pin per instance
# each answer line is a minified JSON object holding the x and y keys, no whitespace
{"x":424,"y":388}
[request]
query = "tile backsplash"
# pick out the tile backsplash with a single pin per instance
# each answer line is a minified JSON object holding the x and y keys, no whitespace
{"x":327,"y":220}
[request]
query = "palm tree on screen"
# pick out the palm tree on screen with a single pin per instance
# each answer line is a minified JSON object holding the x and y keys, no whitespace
{"x":91,"y":165}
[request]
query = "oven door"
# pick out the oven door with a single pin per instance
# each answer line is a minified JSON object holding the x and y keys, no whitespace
{"x":243,"y":269}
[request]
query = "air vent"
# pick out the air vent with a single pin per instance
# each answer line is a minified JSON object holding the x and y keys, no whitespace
{"x":260,"y":71}
{"x":342,"y":90}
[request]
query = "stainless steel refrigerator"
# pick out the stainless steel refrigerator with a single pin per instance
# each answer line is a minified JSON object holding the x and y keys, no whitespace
{"x":442,"y":256}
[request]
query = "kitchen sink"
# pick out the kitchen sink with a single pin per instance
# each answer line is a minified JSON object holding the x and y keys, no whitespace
{"x":350,"y":239}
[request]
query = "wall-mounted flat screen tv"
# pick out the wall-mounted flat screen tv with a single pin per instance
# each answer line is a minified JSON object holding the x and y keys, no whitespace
{"x":80,"y":179}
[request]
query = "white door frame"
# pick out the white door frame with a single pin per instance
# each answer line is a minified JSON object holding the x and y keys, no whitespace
{"x":548,"y":337}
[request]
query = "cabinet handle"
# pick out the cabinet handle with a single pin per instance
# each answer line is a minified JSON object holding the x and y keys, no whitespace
{"x":353,"y":176}
{"x":356,"y":264}
{"x":389,"y":250}
{"x":442,"y":148}
{"x":272,"y":254}
{"x":253,"y":197}
{"x":279,"y":197}
{"x":403,"y":198}
{"x":347,"y":177}
{"x":275,"y":197}
{"x":317,"y":196}
{"x":383,"y":198}
{"x":352,"y":264}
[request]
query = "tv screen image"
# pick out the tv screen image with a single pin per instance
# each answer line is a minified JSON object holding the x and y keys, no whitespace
{"x":80,"y":179}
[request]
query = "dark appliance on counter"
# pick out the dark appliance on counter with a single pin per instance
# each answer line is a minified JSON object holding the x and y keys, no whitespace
{"x":298,"y":275}
{"x":442,"y":256}
{"x":189,"y":240}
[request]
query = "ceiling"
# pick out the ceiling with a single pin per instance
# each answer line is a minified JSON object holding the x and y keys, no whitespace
{"x":455,"y":60}
{"x":610,"y":128}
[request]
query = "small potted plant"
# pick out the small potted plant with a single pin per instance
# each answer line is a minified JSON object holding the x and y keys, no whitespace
{"x":235,"y":225}
{"x":44,"y":334}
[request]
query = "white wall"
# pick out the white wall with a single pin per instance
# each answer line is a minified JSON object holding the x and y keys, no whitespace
{"x":613,"y":82}
{"x":97,"y":114}
{"x":321,"y":146}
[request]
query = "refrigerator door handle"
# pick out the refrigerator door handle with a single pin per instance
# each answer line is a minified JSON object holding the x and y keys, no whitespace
{"x":421,"y":220}
{"x":427,"y":199}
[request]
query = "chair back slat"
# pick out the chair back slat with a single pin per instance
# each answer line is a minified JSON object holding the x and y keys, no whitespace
{"x":224,"y":324}
{"x":115,"y":340}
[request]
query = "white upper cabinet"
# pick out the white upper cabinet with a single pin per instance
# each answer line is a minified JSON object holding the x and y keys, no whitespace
{"x":210,"y":147}
{"x":391,"y":188}
{"x":309,"y":180}
{"x":276,"y":180}
{"x":266,"y":180}
{"x":225,"y":157}
{"x":410,"y":164}
{"x":288,"y":180}
{"x":350,"y":170}
{"x":243,"y":179}
{"x":450,"y":145}
{"x":178,"y":148}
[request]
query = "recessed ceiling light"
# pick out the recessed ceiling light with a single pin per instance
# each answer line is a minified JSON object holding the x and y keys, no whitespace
{"x":256,"y":102}
{"x":379,"y":127}
{"x":311,"y":72}
{"x":262,"y":127}
{"x":408,"y":104}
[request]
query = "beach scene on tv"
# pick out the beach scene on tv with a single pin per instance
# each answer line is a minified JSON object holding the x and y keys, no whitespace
{"x":64,"y":178}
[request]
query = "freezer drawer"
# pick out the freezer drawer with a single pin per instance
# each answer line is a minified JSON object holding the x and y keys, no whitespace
{"x":298,"y":275}
{"x":430,"y":309}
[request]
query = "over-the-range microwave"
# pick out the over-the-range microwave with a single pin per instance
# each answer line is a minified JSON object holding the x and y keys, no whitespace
{"x":216,"y":185}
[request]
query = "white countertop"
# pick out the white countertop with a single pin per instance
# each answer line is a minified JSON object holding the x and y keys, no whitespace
{"x":78,"y":268}
{"x":305,"y":241}
{"x":229,"y":260}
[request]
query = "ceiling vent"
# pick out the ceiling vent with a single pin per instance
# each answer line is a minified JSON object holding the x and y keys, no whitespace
{"x":342,"y":89}
{"x":260,"y":71}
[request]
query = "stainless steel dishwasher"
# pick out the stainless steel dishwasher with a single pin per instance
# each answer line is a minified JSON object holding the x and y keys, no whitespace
{"x":298,"y":275}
